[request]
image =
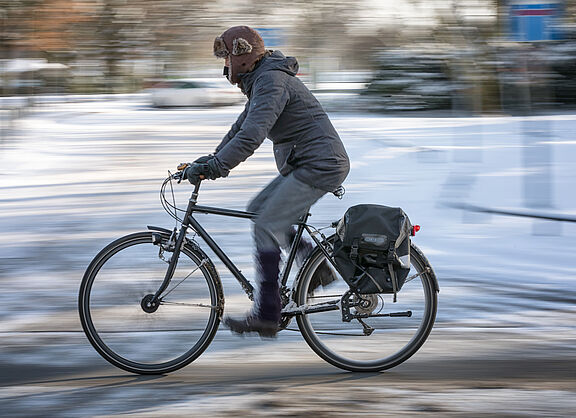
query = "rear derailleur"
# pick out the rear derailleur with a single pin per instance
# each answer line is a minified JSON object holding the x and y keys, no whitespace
{"x":363,"y":306}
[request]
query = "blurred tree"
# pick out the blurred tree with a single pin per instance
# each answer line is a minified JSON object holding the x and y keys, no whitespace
{"x":316,"y":30}
{"x":12,"y":25}
{"x":48,"y":25}
{"x":149,"y":37}
{"x":322,"y":30}
{"x":37,"y":29}
{"x":178,"y":32}
{"x":112,"y":44}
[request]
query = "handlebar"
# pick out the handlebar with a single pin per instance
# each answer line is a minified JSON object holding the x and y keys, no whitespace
{"x":179,"y":176}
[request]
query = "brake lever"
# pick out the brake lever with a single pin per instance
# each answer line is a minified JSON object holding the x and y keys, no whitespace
{"x":180,"y":175}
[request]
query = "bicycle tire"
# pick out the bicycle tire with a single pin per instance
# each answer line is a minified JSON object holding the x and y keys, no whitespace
{"x":343,"y":344}
{"x":119,"y":265}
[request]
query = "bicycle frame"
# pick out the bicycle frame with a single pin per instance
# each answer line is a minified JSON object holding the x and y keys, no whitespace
{"x":198,"y":311}
{"x":189,"y":221}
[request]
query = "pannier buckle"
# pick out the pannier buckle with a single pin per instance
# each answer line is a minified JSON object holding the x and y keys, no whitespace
{"x":354,"y":250}
{"x":391,"y":256}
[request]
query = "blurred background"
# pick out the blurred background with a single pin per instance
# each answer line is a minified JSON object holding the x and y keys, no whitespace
{"x":462,"y":112}
{"x":467,"y":55}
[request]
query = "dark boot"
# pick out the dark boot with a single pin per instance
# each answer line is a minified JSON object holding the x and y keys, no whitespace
{"x":323,"y":275}
{"x":265,"y":315}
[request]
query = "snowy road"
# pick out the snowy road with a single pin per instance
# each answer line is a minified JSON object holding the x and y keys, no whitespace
{"x":74,"y":176}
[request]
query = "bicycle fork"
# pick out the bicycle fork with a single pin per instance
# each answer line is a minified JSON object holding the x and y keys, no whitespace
{"x":150,"y":303}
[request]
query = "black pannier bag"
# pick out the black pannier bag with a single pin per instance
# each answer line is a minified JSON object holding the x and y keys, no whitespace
{"x":372,"y":248}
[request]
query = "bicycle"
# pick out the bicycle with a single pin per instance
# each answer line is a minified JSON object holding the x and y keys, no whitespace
{"x":151,"y":302}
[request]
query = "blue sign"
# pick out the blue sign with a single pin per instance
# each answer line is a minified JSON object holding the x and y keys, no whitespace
{"x":272,"y":37}
{"x":532,"y":21}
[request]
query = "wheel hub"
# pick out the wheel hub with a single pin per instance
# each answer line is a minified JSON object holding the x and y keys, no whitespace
{"x":365,"y":304}
{"x":148,"y":304}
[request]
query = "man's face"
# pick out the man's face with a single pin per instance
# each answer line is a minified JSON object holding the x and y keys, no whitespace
{"x":226,"y":71}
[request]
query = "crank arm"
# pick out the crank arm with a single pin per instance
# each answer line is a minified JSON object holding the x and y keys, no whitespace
{"x":308,"y":309}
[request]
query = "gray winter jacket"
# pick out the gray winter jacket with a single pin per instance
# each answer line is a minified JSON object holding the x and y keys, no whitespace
{"x":281,"y":108}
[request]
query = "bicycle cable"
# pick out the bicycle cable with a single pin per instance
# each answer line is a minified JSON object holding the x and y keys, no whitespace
{"x":173,"y":198}
{"x":168,"y":207}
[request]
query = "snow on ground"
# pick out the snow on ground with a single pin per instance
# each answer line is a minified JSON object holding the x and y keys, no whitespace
{"x":75,"y":176}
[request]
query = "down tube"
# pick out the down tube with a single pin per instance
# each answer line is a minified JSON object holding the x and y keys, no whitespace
{"x":246,"y":285}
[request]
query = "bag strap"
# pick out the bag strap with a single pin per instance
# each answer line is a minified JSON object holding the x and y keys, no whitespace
{"x":354,"y":259}
{"x":394,"y":279}
{"x":391,"y":253}
{"x":391,"y":257}
{"x":365,"y":273}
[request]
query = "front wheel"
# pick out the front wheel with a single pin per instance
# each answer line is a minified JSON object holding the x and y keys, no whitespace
{"x":130,"y":333}
{"x":388,"y":333}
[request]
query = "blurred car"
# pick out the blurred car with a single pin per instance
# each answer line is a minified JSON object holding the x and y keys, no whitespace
{"x":194,"y":92}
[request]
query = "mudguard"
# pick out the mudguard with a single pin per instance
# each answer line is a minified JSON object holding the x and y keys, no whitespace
{"x":159,"y":229}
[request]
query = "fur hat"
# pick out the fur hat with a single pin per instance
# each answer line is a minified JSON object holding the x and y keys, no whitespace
{"x":244,"y":47}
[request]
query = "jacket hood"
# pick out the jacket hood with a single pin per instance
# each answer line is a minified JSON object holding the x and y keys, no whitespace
{"x":276,"y":61}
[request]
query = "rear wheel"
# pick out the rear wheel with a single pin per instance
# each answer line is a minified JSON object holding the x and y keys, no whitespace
{"x":131,"y":333}
{"x":375,"y":342}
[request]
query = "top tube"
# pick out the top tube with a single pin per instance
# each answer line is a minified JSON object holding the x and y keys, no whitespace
{"x":224,"y":212}
{"x":194,"y":207}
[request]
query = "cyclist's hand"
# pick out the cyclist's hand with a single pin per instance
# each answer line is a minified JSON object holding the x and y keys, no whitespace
{"x":193,"y":172}
{"x":203,"y":168}
{"x":196,"y":172}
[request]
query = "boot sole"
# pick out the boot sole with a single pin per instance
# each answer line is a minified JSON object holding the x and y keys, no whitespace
{"x":264,"y":332}
{"x":268,"y":334}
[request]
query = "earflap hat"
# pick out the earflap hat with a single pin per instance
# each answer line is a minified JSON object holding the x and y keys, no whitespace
{"x":243,"y":46}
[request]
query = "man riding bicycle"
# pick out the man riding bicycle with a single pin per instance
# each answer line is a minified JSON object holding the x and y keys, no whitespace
{"x":309,"y":155}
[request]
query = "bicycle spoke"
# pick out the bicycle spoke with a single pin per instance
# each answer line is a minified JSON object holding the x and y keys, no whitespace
{"x":410,"y":278}
{"x":200,"y":305}
{"x":189,"y":274}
